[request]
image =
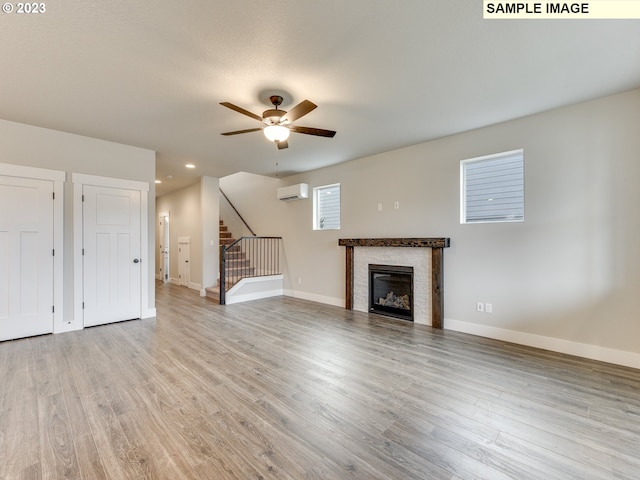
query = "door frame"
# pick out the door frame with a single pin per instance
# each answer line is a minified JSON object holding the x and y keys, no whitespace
{"x":58,"y":178}
{"x":79,"y":180}
{"x":163,"y":237}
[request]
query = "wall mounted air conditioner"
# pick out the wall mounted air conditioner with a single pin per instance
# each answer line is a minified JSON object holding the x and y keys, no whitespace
{"x":293,"y":192}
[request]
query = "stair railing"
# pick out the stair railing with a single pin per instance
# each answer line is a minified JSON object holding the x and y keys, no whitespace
{"x":248,"y":257}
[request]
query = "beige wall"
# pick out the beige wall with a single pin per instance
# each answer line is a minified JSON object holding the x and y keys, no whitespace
{"x":568,"y":278}
{"x":185,"y":221}
{"x":209,"y":198}
{"x":43,"y":148}
{"x":193,"y":212}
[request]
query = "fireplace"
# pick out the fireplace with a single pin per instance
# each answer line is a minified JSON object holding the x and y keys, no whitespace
{"x":425,"y":255}
{"x":391,"y":291}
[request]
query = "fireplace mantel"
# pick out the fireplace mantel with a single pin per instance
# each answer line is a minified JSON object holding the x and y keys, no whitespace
{"x":435,"y":244}
{"x":440,"y":242}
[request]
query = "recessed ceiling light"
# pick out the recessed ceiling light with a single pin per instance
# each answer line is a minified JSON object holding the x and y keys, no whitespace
{"x":169,"y":176}
{"x":190,"y":165}
{"x":158,"y":181}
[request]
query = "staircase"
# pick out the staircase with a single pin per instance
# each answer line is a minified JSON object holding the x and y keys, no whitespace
{"x":237,"y":263}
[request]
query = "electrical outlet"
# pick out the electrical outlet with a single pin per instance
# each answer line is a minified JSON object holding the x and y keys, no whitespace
{"x":488,"y":308}
{"x":479,"y":307}
{"x":379,"y":207}
{"x":299,"y":280}
{"x":396,"y":205}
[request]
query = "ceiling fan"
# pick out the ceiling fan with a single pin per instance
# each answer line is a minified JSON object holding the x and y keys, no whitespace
{"x":278,"y":123}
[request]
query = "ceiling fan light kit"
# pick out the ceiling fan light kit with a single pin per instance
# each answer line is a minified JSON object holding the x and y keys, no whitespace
{"x":278,"y":122}
{"x":276,"y":133}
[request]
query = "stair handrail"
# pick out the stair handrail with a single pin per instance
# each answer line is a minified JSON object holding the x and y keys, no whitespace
{"x":237,"y":213}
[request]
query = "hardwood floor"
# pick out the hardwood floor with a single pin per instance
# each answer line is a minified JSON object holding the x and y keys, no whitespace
{"x":288,"y":389}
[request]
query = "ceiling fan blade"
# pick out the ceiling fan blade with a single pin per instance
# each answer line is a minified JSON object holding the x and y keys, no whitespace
{"x":241,"y":110}
{"x":237,"y":132}
{"x":298,"y":111}
{"x":282,"y":144}
{"x":312,"y":131}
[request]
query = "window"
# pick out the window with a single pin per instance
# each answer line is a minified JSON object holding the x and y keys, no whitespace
{"x":492,"y":188}
{"x":326,"y":207}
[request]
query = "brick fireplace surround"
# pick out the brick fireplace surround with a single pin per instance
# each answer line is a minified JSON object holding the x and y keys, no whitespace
{"x":437,"y":245}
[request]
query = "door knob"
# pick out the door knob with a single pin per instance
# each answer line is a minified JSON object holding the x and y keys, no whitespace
{"x":135,"y":260}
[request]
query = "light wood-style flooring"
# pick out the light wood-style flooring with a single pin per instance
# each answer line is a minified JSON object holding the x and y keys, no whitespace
{"x":289,"y":389}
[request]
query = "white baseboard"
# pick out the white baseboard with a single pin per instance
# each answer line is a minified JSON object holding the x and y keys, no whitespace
{"x":150,"y":313}
{"x":336,"y":302}
{"x":593,"y":352}
{"x":192,"y":286}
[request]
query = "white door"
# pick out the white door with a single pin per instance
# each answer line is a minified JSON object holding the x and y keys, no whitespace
{"x":111,"y":260}
{"x":26,"y":257}
{"x":184,"y":268}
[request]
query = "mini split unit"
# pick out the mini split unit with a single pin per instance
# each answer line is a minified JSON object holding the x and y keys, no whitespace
{"x":293,"y":192}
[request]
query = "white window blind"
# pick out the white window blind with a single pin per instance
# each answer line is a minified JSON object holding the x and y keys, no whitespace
{"x":327,"y":207}
{"x":492,"y":188}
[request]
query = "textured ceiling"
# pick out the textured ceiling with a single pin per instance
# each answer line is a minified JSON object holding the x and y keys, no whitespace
{"x":384,"y":74}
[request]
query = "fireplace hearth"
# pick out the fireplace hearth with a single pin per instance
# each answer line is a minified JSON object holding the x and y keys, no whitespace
{"x":391,"y":291}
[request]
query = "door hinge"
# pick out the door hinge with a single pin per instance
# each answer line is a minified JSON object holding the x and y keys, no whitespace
{"x":53,"y":309}
{"x":54,"y":195}
{"x":53,"y":252}
{"x":83,"y":305}
{"x":83,"y":197}
{"x":83,"y":251}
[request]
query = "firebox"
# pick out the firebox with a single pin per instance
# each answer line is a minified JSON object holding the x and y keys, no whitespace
{"x":391,"y":291}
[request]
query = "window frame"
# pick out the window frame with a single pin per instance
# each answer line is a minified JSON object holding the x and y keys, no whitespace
{"x":317,"y":191}
{"x":464,"y":220}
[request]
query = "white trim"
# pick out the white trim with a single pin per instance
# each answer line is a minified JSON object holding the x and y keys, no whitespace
{"x":336,"y":302}
{"x":98,"y":181}
{"x":145,"y":257}
{"x":149,"y":313}
{"x":160,"y":217}
{"x":58,"y":178}
{"x":79,"y":180}
{"x":195,"y":286}
{"x":36,"y":173}
{"x":59,"y":323}
{"x":593,"y":352}
{"x":77,"y":257}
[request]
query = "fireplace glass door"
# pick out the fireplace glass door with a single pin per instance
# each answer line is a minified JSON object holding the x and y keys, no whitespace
{"x":391,"y":291}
